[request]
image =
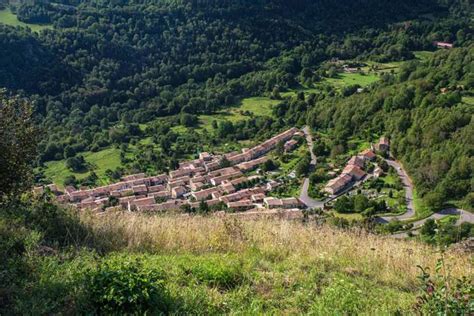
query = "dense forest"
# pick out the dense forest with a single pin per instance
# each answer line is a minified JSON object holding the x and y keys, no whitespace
{"x":132,"y":62}
{"x":106,"y":68}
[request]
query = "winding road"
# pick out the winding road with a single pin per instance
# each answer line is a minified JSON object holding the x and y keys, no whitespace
{"x":464,"y":216}
{"x":304,"y":197}
{"x":408,"y":185}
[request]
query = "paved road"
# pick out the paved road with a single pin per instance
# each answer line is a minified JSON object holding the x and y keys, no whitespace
{"x":304,"y":197}
{"x":408,"y":186}
{"x":309,"y":141}
{"x":464,"y":217}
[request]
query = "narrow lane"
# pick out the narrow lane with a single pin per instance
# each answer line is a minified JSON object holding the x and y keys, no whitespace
{"x":304,"y":196}
{"x":408,"y":186}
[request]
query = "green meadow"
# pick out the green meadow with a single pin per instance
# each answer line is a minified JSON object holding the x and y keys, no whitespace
{"x":348,"y":79}
{"x":7,"y":17}
{"x":255,"y":106}
{"x":100,"y":161}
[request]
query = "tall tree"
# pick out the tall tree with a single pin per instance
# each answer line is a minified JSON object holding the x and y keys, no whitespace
{"x":18,"y":139}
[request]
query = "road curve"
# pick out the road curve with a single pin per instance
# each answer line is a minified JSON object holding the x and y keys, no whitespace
{"x":464,"y":217}
{"x":408,"y":186}
{"x":304,"y":197}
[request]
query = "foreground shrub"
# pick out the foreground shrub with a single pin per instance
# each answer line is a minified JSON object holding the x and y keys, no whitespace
{"x":216,"y":273}
{"x":440,"y":295}
{"x":122,"y":286}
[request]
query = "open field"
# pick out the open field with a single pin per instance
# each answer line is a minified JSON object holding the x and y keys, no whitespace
{"x":293,"y":92}
{"x":468,"y":100}
{"x":347,"y":79}
{"x":423,"y":55}
{"x":7,"y":17}
{"x":255,"y":106}
{"x":100,"y":161}
{"x":348,"y":216}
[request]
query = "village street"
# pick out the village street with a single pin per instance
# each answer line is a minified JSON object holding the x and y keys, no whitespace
{"x":304,"y":197}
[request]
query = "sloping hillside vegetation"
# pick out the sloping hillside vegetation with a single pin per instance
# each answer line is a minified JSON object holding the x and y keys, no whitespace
{"x":130,"y":262}
{"x":423,"y":109}
{"x":55,"y":260}
{"x":130,"y":63}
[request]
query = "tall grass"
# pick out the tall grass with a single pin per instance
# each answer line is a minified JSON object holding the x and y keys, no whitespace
{"x":389,"y":261}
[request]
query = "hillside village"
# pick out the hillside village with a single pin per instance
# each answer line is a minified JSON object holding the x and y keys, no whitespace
{"x":216,"y":180}
{"x":231,"y":182}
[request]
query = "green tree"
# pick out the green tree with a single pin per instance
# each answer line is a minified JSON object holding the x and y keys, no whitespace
{"x":344,"y":205}
{"x":188,"y":120}
{"x":303,"y":166}
{"x":429,"y":228}
{"x":269,"y":165}
{"x":76,"y":164}
{"x":203,"y":207}
{"x":361,"y":203}
{"x":18,"y":140}
{"x":224,"y":162}
{"x":280,"y":148}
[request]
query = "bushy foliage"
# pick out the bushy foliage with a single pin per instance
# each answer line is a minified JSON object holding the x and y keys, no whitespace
{"x":442,"y":296}
{"x":438,"y":158}
{"x":127,"y":287}
{"x":18,"y":140}
{"x":216,"y":273}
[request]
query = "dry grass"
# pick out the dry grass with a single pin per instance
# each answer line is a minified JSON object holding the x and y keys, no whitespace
{"x":389,"y":261}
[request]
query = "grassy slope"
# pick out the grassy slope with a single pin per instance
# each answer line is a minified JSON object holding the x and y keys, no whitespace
{"x":347,"y":79}
{"x":100,"y":161}
{"x":215,"y":266}
{"x":258,"y":106}
{"x":7,"y":17}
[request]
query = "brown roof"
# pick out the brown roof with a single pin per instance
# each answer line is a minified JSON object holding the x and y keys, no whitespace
{"x":354,"y":170}
{"x":356,"y":161}
{"x":368,"y":153}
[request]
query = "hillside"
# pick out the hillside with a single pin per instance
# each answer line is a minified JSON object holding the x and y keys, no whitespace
{"x":236,"y":157}
{"x":215,"y":266}
{"x":125,"y":64}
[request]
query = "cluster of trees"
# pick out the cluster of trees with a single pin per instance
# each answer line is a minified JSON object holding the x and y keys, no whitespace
{"x":39,"y":13}
{"x":445,"y":233}
{"x":359,"y":203}
{"x":109,"y":65}
{"x":203,"y":208}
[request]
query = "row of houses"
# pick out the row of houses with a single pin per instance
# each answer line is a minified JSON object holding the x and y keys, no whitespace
{"x":352,"y":172}
{"x":354,"y":169}
{"x":194,"y":181}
